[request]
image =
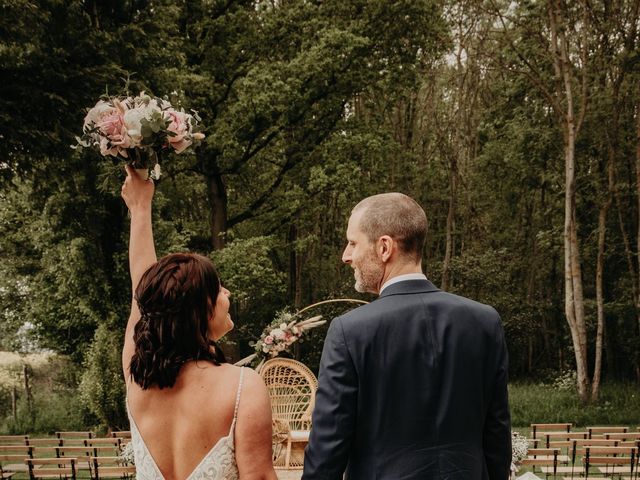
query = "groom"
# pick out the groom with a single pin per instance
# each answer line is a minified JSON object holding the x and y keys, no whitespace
{"x":412,"y":386}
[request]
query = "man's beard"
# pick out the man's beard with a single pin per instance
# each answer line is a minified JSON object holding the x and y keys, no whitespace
{"x":368,"y":274}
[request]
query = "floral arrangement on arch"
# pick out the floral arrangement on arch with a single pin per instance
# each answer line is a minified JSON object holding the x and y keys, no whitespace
{"x":286,"y":329}
{"x":137,"y":129}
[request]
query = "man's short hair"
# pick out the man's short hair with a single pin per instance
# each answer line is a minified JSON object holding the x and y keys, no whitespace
{"x":396,"y":215}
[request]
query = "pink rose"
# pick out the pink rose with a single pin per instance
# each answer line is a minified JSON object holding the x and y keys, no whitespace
{"x":180,"y":126}
{"x":97,"y":113}
{"x":268,"y":340}
{"x":113,"y":128}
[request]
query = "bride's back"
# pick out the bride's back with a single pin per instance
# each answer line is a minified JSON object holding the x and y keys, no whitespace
{"x":182,"y":396}
{"x":180,"y":425}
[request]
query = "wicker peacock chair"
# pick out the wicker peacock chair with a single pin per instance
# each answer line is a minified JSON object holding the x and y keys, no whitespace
{"x":292,"y":388}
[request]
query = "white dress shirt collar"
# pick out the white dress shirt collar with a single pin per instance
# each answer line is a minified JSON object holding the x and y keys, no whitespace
{"x":402,"y":278}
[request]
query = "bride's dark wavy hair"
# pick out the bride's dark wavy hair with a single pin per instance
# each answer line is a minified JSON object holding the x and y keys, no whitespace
{"x":176,"y":297}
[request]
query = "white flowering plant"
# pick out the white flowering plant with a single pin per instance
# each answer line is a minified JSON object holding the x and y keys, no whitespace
{"x":126,"y":456}
{"x":519,"y":450}
{"x":137,"y":129}
{"x":286,"y":329}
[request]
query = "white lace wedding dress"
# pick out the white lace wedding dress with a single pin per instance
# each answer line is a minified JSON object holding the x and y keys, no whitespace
{"x":218,"y":464}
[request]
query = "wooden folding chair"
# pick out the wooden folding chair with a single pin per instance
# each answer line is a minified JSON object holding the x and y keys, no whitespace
{"x":13,"y":457}
{"x":111,"y":467}
{"x":612,"y":461}
{"x":104,"y":446}
{"x":536,"y":428}
{"x":81,"y":454}
{"x":5,"y":475}
{"x":546,"y":458}
{"x":567,"y":450}
{"x":60,"y":468}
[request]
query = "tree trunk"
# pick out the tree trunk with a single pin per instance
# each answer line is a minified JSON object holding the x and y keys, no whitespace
{"x":574,"y":301}
{"x":448,"y":253}
{"x":27,"y":389}
{"x":14,"y":403}
{"x":602,"y":226}
{"x":597,"y":368}
{"x":217,"y":194}
{"x":637,"y":296}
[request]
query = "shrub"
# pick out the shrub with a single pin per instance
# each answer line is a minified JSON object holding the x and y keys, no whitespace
{"x":102,"y":389}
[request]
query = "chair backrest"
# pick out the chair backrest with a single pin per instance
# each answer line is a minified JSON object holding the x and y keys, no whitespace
{"x":20,"y":451}
{"x":68,"y":435}
{"x":44,"y":442}
{"x":292,"y":389}
{"x":13,"y":439}
{"x":111,"y":467}
{"x":542,"y":457}
{"x":629,"y":436}
{"x":604,"y":430}
{"x":556,"y":427}
{"x":58,"y":468}
{"x":609,"y":460}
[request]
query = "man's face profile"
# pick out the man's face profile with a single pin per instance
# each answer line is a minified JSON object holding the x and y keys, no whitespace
{"x":361,"y":255}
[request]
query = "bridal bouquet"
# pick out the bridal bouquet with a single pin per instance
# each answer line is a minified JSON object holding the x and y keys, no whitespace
{"x":286,"y":329}
{"x":138,"y":129}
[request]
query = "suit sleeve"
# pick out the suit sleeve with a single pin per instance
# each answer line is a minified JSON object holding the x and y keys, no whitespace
{"x":497,"y":428}
{"x":334,"y":415}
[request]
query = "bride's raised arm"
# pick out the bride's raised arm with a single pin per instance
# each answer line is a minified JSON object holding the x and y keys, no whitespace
{"x":138,"y":195}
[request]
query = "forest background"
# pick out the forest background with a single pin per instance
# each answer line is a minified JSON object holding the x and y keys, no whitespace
{"x":515,"y":124}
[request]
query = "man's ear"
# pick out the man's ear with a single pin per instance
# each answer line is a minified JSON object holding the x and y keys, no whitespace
{"x":386,"y":246}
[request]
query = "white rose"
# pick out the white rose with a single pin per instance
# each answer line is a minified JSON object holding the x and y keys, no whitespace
{"x":133,"y":119}
{"x":277,"y":333}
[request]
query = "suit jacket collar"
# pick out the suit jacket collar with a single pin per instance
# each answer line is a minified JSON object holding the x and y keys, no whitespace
{"x":409,"y":286}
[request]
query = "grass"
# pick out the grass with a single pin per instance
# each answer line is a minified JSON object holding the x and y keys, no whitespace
{"x":619,"y":404}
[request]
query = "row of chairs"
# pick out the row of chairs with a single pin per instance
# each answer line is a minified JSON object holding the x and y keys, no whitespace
{"x":540,"y":429}
{"x":64,"y":455}
{"x":588,"y":462}
{"x":596,"y":452}
{"x":63,"y":436}
{"x":68,"y":468}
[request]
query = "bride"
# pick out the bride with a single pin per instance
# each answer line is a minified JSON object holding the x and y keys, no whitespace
{"x":193,"y":416}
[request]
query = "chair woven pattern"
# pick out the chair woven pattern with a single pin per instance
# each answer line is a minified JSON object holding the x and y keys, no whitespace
{"x":292,"y":389}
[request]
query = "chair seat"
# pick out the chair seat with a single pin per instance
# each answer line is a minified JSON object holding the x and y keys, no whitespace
{"x":561,"y":469}
{"x":299,"y":435}
{"x":615,"y":469}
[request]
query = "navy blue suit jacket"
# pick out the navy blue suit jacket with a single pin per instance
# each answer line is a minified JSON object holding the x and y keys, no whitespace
{"x":412,"y":386}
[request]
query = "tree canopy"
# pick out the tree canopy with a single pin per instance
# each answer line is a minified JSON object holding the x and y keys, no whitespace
{"x":472,"y":107}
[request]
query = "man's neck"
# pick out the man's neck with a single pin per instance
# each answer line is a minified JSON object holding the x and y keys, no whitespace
{"x":397,"y":270}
